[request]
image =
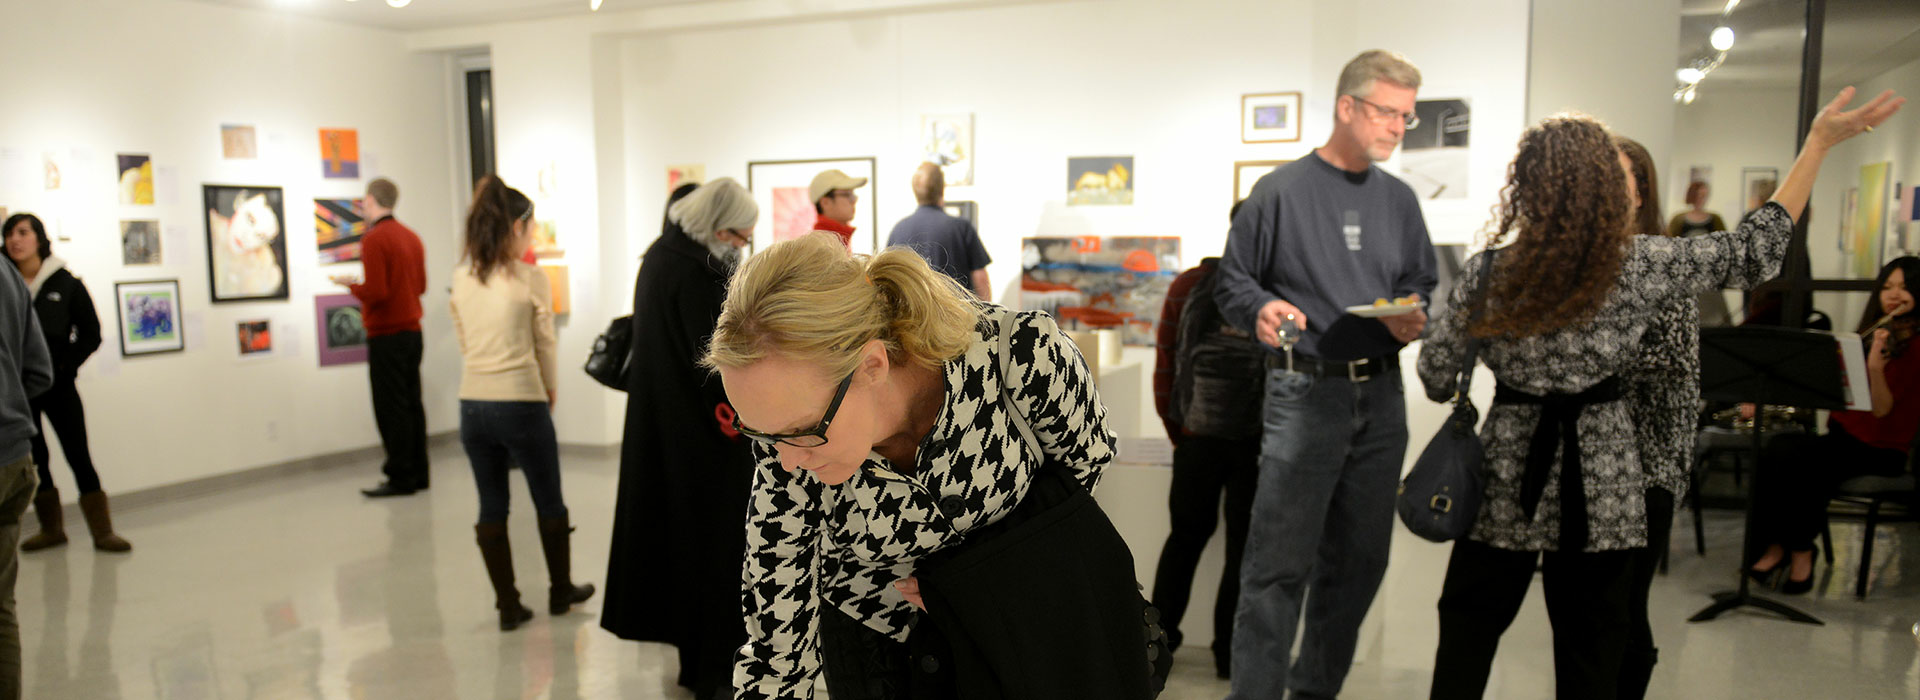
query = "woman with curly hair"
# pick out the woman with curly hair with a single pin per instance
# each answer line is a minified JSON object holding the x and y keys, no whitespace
{"x":1562,"y":318}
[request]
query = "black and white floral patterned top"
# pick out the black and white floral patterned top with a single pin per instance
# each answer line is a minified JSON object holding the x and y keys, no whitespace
{"x":809,"y":543}
{"x":1570,"y":360}
{"x":1663,"y":395}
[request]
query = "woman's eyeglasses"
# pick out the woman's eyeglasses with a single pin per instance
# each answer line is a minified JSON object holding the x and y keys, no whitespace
{"x":813,"y":437}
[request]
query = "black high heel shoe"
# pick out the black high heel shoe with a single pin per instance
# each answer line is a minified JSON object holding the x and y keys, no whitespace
{"x":1765,"y":577}
{"x":1788,"y":586}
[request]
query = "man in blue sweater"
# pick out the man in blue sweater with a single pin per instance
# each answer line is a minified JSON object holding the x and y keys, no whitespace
{"x":1326,"y":232}
{"x":26,"y":371}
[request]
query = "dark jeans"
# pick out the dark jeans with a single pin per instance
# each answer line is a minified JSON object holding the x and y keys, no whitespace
{"x":1588,"y":604}
{"x":1322,"y":522}
{"x":1203,"y":467}
{"x":1797,"y":476}
{"x":501,"y":434}
{"x":1636,"y":666}
{"x":393,"y":366}
{"x":61,"y":406}
{"x":16,"y":492}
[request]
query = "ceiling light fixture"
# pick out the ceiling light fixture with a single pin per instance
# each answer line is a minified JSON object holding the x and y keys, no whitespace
{"x":593,"y":5}
{"x":1722,"y":38}
{"x":398,"y":3}
{"x":1689,"y":75}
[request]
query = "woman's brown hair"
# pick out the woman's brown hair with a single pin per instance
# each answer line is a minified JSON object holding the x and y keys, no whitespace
{"x":1564,"y":209}
{"x":1646,"y":219}
{"x":496,"y":207}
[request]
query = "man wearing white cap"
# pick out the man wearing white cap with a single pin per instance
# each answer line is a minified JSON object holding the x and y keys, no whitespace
{"x":834,"y":199}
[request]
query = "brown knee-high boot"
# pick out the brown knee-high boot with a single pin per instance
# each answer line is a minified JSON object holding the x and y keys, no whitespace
{"x":553,"y":538}
{"x":53,"y":528}
{"x":498,"y":555}
{"x":100,"y":523}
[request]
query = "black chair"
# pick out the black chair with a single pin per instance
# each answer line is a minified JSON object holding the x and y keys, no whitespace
{"x":1872,"y":493}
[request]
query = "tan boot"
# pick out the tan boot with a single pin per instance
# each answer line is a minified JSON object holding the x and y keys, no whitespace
{"x":100,"y":523}
{"x":53,"y":529}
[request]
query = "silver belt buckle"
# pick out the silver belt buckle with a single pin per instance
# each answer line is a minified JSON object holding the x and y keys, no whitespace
{"x":1353,"y":372}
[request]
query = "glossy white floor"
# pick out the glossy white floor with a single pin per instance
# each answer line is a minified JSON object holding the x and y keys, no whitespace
{"x":303,"y":589}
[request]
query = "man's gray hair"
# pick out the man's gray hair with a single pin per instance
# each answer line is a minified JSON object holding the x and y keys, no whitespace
{"x":1364,"y":70}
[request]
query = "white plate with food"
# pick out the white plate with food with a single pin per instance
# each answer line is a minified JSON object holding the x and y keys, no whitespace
{"x":1385,"y":307}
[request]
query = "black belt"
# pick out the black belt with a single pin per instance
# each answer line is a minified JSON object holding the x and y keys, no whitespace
{"x":1559,"y":427}
{"x":1357,"y":370}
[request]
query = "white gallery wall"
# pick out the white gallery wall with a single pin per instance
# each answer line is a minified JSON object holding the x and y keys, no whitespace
{"x":87,"y":79}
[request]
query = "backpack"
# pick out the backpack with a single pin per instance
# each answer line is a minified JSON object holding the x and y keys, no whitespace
{"x":1219,"y":370}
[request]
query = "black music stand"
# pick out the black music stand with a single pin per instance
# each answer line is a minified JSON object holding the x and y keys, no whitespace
{"x":1766,"y":367}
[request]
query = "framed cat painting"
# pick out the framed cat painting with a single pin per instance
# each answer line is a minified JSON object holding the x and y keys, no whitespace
{"x":246,"y":243}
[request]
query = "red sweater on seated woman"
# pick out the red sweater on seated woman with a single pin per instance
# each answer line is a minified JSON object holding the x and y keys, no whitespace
{"x":1801,"y":472}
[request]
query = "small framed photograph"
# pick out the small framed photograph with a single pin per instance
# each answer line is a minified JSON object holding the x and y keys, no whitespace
{"x":1271,"y":117}
{"x":1248,"y":172}
{"x":964,"y":210}
{"x":149,"y":314}
{"x":340,"y":329}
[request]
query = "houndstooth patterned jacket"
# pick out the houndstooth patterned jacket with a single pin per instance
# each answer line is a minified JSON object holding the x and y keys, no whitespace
{"x":810,"y":544}
{"x":1572,"y":359}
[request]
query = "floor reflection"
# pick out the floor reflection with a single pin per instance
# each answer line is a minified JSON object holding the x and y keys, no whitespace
{"x":303,"y":590}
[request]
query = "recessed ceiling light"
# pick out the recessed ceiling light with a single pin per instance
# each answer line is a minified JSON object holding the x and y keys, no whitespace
{"x":593,"y":5}
{"x":398,"y":3}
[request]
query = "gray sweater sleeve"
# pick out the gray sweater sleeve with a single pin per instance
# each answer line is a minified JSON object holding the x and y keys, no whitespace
{"x":1422,"y":272}
{"x":36,"y":364}
{"x":1246,"y":259}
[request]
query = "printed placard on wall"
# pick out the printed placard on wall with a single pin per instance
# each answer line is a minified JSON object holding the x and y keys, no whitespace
{"x":338,"y":225}
{"x":246,"y":251}
{"x":1094,"y":282}
{"x":946,"y":140}
{"x":340,"y":154}
{"x":149,"y":315}
{"x":139,"y":242}
{"x":786,"y":212}
{"x":339,"y":330}
{"x":1272,"y":117}
{"x":1436,"y":155}
{"x":1097,"y":180}
{"x":1247,"y":173}
{"x":136,"y":178}
{"x":238,"y":142}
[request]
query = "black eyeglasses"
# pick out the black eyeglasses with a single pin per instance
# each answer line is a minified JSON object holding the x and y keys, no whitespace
{"x":813,"y":437}
{"x":1410,"y":119}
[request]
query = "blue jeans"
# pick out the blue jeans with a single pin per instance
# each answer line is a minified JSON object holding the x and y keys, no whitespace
{"x":500,"y":434}
{"x":1322,"y":521}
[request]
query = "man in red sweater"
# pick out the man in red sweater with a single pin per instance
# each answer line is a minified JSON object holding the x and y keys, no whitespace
{"x":396,"y":276}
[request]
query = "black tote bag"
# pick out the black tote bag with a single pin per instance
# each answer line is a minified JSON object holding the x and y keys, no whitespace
{"x":1440,"y":498}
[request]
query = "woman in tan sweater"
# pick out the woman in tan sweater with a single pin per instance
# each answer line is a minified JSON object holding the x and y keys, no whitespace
{"x":503,"y":315}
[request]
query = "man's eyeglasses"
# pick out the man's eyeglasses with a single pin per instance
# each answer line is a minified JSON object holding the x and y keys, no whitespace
{"x":813,"y":437}
{"x":1382,"y":113}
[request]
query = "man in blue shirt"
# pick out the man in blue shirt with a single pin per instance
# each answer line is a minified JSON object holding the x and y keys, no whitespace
{"x":950,"y":244}
{"x":1323,"y":233}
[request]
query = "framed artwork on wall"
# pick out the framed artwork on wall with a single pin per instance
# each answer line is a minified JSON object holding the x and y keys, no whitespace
{"x":1270,"y":117}
{"x":946,"y":140}
{"x":338,"y":225}
{"x":136,"y":178}
{"x":1246,"y":173}
{"x":1100,"y":282}
{"x":1756,"y":187}
{"x":692,"y":173}
{"x":1436,"y":155}
{"x":255,"y":336}
{"x":970,"y":211}
{"x":559,"y":287}
{"x":149,"y":316}
{"x":139,"y":242}
{"x":246,"y":242}
{"x":1870,"y":221}
{"x":786,"y":212}
{"x":340,"y":331}
{"x":237,"y":142}
{"x":340,"y":154}
{"x":1100,"y":180}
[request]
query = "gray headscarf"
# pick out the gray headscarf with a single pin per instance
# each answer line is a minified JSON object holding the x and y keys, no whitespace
{"x":717,"y":206}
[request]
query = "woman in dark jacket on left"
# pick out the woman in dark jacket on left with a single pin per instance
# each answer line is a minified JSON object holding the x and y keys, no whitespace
{"x":72,"y":328}
{"x":679,"y":525}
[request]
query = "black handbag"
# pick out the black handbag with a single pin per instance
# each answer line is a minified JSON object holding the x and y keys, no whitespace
{"x":1440,"y":498}
{"x":1056,"y":558}
{"x":612,"y":354}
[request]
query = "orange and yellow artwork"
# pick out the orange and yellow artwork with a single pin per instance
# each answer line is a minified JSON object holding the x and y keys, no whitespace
{"x":340,"y":153}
